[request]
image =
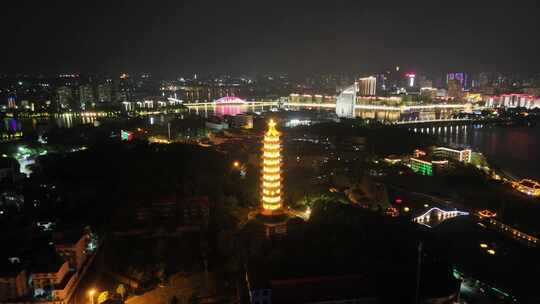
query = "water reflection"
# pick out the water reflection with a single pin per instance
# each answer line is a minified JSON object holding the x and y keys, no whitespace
{"x":13,"y":125}
{"x":513,"y":149}
{"x":397,"y":115}
{"x":222,"y":110}
{"x":454,"y":135}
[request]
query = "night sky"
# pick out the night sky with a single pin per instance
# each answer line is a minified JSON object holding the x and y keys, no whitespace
{"x":254,"y":37}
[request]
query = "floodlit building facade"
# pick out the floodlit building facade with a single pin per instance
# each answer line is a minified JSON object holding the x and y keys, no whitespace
{"x":421,"y":166}
{"x":462,"y":155}
{"x":346,"y":102}
{"x":427,"y":165}
{"x":367,"y":86}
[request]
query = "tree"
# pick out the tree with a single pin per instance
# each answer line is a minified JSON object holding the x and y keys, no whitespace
{"x":121,"y":290}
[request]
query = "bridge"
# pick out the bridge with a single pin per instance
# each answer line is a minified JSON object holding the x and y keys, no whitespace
{"x":435,"y":216}
{"x":435,"y":121}
{"x":380,"y":107}
{"x":245,"y":103}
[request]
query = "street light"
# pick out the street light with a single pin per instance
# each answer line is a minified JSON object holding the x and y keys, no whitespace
{"x":91,"y":294}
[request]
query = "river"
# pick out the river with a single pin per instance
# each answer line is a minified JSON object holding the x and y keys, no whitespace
{"x":512,"y":149}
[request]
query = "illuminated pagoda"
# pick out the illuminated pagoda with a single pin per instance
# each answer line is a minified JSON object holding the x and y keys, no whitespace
{"x":271,"y":172}
{"x":273,"y":217}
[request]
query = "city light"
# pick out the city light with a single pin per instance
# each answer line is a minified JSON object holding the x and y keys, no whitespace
{"x":91,"y":294}
{"x":436,"y":214}
{"x":442,"y":213}
{"x":486,"y":213}
{"x":423,"y":182}
{"x":271,"y":177}
{"x":411,"y":79}
{"x":126,"y":135}
{"x":527,"y":186}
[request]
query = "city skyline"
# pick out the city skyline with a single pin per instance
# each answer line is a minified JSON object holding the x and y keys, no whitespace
{"x":251,"y":152}
{"x":171,"y":38}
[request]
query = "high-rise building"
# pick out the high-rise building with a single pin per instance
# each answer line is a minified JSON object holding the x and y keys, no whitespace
{"x":271,"y":172}
{"x":483,"y":79}
{"x":104,"y":93}
{"x":428,"y":92}
{"x":410,"y":80}
{"x":125,"y":89}
{"x":424,"y":82}
{"x":64,"y":97}
{"x":12,"y":104}
{"x":455,"y":90}
{"x":346,"y":101}
{"x":462,"y":78}
{"x":367,"y":86}
{"x":86,"y":96}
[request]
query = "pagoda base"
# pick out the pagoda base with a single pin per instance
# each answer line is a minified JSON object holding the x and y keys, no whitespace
{"x":275,"y":222}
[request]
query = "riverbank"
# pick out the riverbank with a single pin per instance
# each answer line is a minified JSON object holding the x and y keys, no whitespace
{"x":512,"y":149}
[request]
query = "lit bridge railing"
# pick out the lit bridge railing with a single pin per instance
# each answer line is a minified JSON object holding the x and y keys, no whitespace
{"x":437,"y":215}
{"x":406,"y":122}
{"x":378,"y":107}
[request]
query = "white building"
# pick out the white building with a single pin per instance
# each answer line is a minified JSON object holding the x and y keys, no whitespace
{"x":462,"y":155}
{"x":514,"y":101}
{"x":346,"y":102}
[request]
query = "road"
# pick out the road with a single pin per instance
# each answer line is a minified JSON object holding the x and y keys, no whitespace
{"x":95,"y":278}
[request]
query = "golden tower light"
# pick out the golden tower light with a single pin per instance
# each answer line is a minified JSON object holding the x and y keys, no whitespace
{"x":271,"y":171}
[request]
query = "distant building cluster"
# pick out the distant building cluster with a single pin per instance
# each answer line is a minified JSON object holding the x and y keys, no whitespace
{"x":396,"y":87}
{"x":75,"y":92}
